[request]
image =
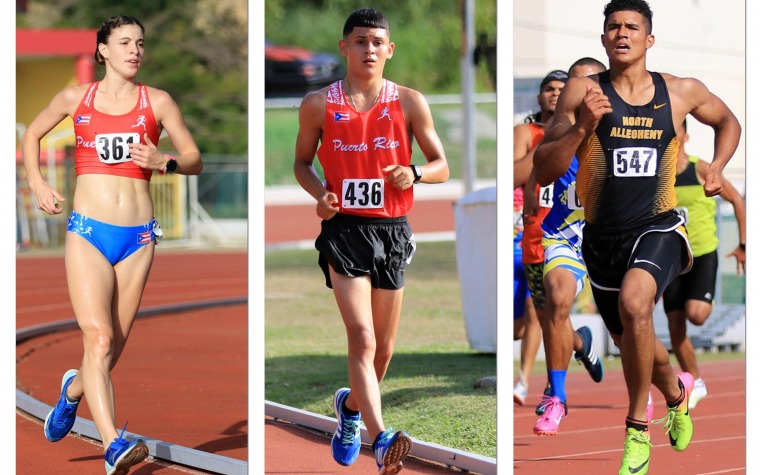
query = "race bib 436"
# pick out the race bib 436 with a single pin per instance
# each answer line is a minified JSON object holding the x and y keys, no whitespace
{"x":363,"y":193}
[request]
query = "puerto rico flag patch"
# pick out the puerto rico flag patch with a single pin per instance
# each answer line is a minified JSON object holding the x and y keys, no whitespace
{"x":83,"y":119}
{"x":342,"y":117}
{"x":143,"y":238}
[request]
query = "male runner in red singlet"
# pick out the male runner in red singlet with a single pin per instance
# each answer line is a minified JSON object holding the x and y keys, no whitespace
{"x":361,"y":128}
{"x":622,"y":125}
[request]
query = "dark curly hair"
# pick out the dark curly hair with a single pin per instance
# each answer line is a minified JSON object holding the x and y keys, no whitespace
{"x":640,"y":6}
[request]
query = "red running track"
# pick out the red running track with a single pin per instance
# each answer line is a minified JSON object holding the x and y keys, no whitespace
{"x":288,"y":223}
{"x":590,"y":439}
{"x":182,"y":378}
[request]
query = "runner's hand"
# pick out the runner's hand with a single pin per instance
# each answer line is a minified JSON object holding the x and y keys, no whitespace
{"x":595,"y":104}
{"x":741,"y":260}
{"x":147,"y":155}
{"x":713,"y":183}
{"x":327,"y":206}
{"x":400,"y":177}
{"x":47,"y":198}
{"x":530,"y":208}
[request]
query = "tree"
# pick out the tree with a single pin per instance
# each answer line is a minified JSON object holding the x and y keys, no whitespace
{"x":196,"y":51}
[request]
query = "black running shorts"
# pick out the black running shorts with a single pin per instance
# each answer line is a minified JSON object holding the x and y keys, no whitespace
{"x":697,"y":284}
{"x":660,"y":248}
{"x":356,"y":246}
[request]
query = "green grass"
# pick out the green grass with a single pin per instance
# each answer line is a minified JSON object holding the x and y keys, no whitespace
{"x":428,"y":390}
{"x":281,"y":128}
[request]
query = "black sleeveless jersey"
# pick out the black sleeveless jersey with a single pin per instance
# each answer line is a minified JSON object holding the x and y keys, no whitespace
{"x":627,"y":166}
{"x":688,"y":177}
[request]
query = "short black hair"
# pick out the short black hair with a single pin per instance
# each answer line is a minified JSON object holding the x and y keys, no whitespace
{"x":365,"y":17}
{"x":587,"y":61}
{"x":640,"y":6}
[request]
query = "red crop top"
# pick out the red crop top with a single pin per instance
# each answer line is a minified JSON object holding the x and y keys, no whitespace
{"x":102,"y":140}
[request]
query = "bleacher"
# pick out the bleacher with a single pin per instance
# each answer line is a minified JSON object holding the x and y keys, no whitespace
{"x":724,"y":330}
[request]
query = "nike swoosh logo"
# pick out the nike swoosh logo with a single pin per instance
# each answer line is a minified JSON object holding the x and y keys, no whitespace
{"x":639,"y":468}
{"x":557,"y":420}
{"x":637,"y":260}
{"x":657,"y":106}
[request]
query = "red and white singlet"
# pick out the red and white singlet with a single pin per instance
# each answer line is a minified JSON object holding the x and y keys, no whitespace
{"x":356,"y":146}
{"x":102,"y":140}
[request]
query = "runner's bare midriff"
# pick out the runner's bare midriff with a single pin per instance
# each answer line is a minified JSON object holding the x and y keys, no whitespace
{"x":112,"y":199}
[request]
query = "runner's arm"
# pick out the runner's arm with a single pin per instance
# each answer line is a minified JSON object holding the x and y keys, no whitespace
{"x":710,"y":110}
{"x":310,"y":119}
{"x":732,"y":195}
{"x":417,"y":111}
{"x":61,"y":106}
{"x":580,"y":107}
{"x":170,"y":117}
{"x":522,"y":154}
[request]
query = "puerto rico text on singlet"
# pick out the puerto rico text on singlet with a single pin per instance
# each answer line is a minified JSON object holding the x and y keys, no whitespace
{"x":356,"y":146}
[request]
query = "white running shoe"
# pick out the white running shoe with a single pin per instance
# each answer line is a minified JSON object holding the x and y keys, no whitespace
{"x":699,"y":392}
{"x":520,"y":392}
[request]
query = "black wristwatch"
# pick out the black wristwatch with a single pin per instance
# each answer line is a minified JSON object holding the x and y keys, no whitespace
{"x":742,"y":246}
{"x":417,"y":171}
{"x":171,"y":165}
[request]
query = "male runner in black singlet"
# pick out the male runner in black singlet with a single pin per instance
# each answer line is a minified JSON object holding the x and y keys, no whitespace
{"x":622,"y":125}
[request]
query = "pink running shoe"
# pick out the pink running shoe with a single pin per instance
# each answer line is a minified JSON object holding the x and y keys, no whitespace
{"x":688,"y":383}
{"x":554,"y":411}
{"x":650,"y":408}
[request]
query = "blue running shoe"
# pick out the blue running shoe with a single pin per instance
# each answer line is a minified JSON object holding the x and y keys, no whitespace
{"x":61,"y":418}
{"x":390,"y":449}
{"x":122,"y":454}
{"x":541,"y":406}
{"x":347,"y":439}
{"x":588,"y":356}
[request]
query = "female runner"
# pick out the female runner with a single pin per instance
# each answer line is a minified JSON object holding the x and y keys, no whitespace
{"x":112,"y":231}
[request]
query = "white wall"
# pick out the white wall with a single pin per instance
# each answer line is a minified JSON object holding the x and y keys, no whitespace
{"x":704,"y":39}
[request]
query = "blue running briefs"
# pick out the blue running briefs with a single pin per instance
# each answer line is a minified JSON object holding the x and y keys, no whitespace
{"x":116,"y":243}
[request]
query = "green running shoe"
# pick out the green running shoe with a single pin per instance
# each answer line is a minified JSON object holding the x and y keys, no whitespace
{"x":677,"y":422}
{"x":635,"y":453}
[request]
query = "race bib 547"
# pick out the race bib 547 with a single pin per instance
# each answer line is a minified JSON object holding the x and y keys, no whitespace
{"x":635,"y":162}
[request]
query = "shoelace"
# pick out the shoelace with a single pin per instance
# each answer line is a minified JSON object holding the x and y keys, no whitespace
{"x":382,"y":446}
{"x":350,"y":429}
{"x":116,"y":446}
{"x":669,"y":419}
{"x":65,"y":413}
{"x":641,"y":439}
{"x":546,"y":402}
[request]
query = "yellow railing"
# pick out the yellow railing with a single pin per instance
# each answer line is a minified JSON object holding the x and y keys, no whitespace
{"x":168,"y":192}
